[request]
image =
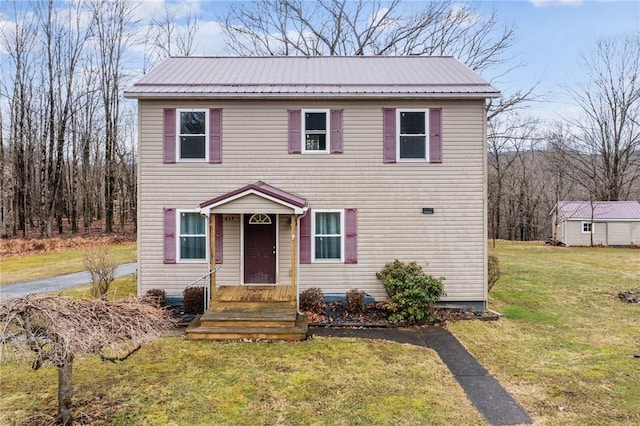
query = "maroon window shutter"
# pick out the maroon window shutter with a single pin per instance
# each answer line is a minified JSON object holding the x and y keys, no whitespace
{"x":389,"y":134}
{"x":351,"y":236}
{"x":169,"y":250}
{"x":215,"y":135}
{"x":295,"y":129}
{"x":305,"y":238}
{"x":336,"y":131}
{"x":218,"y":219}
{"x":169,"y":128}
{"x":435,"y":138}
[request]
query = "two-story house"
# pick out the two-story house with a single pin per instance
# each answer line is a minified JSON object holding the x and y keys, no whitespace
{"x":297,"y":172}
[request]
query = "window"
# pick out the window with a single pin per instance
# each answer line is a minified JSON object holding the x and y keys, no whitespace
{"x":327,"y":235}
{"x":316,"y":131}
{"x":193,"y":236}
{"x":587,"y":227}
{"x":192,"y":135}
{"x":412,"y":134}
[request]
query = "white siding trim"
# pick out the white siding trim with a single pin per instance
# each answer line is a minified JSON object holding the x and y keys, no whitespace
{"x":296,"y":210}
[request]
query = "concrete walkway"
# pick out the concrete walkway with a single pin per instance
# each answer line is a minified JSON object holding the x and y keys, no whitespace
{"x":484,"y":392}
{"x":59,"y":283}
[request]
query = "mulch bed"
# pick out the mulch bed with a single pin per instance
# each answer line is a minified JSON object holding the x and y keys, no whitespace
{"x":376,"y":315}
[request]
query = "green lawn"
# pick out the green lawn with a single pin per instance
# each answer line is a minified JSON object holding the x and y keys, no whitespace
{"x":565,"y":346}
{"x":564,"y":350}
{"x":322,"y":381}
{"x":36,"y":266}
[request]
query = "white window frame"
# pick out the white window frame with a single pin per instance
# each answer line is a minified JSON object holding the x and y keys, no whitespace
{"x":179,"y":258}
{"x":591,"y":226}
{"x":327,"y":114}
{"x":206,"y":136}
{"x":426,"y":135}
{"x":314,"y":235}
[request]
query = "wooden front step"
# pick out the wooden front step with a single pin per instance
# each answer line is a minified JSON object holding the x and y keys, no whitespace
{"x":298,"y":331}
{"x":241,"y":312}
{"x":266,"y":317}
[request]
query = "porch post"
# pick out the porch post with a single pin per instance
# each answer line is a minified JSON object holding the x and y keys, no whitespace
{"x":212,"y":251}
{"x":294,"y":260}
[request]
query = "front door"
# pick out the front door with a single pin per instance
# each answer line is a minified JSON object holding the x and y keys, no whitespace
{"x":259,"y":249}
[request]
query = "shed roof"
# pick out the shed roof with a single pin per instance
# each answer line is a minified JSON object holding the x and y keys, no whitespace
{"x":602,"y":210}
{"x":312,"y":76}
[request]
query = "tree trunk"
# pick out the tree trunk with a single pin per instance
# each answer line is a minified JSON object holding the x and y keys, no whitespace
{"x":65,"y":415}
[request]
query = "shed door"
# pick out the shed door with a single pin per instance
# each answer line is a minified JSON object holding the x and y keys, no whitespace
{"x":618,"y":233}
{"x":259,"y":249}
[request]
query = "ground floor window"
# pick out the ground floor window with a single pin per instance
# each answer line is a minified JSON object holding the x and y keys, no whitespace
{"x":193,"y":236}
{"x":328,"y":235}
{"x":587,"y":227}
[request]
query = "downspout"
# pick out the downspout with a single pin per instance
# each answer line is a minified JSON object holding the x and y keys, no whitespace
{"x":306,"y":210}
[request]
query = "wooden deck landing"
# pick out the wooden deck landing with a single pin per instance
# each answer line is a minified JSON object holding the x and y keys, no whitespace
{"x":250,"y":312}
{"x":242,"y":293}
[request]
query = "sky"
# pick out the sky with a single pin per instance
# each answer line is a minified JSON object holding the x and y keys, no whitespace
{"x":550,"y":37}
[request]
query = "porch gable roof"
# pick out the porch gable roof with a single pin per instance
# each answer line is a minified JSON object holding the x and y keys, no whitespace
{"x":263,"y":190}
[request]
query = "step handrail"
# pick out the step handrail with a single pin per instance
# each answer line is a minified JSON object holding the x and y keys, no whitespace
{"x":207,"y":289}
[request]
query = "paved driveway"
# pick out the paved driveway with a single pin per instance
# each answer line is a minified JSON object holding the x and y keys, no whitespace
{"x":62,"y":282}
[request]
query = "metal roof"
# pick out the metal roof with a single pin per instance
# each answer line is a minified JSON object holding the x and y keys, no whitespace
{"x":312,"y":76}
{"x":261,"y":189}
{"x":602,"y":210}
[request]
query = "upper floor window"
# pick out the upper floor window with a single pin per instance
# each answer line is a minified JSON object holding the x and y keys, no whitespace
{"x":192,"y":134}
{"x":192,"y":239}
{"x":315,"y":131}
{"x":412,"y":134}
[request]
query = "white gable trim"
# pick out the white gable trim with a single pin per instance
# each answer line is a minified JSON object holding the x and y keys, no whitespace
{"x":295,"y":209}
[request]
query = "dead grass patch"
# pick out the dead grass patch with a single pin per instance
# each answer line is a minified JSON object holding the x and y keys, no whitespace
{"x":20,"y":247}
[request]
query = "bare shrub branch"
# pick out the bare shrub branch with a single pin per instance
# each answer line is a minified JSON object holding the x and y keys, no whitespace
{"x":102,"y":265}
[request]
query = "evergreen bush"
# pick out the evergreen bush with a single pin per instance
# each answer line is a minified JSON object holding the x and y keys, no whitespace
{"x":410,"y":292}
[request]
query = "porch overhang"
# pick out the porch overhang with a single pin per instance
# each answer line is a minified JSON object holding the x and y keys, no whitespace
{"x":276,"y":197}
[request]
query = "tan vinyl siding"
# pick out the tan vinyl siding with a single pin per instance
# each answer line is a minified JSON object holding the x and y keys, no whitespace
{"x":389,"y":197}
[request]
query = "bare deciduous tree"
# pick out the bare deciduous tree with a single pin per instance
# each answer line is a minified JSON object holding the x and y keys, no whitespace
{"x":56,"y":330}
{"x":605,"y":143}
{"x":112,"y":22}
{"x":367,"y":27}
{"x":375,"y":27}
{"x":168,"y":38}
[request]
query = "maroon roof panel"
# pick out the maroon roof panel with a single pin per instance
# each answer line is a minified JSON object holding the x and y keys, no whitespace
{"x":261,"y":188}
{"x":602,"y":210}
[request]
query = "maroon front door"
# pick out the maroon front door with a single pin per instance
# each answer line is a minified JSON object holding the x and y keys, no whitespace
{"x":259,"y":251}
